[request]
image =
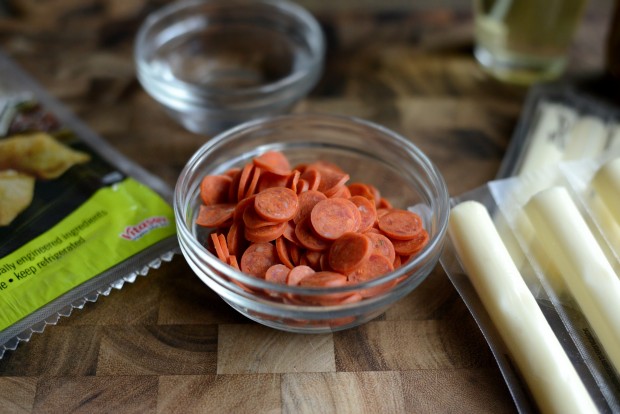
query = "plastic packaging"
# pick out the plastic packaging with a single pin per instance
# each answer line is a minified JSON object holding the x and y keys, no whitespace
{"x":77,"y":219}
{"x":552,"y":117}
{"x":560,"y":123}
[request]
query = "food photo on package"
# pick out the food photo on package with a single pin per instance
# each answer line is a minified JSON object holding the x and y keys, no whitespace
{"x":77,"y":219}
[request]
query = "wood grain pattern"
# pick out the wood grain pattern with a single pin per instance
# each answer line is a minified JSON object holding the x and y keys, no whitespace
{"x":158,"y":349}
{"x":168,"y":344}
{"x":18,"y":393}
{"x":128,"y":394}
{"x":345,"y":391}
{"x":257,"y":349}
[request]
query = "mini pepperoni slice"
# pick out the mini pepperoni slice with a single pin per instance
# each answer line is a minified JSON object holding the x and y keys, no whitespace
{"x":349,"y":251}
{"x":289,"y":233}
{"x":404,"y":259}
{"x":276,"y":204}
{"x":292,"y":180}
{"x":313,"y":177}
{"x":351,"y":298}
{"x":382,"y":212}
{"x":217,"y":245}
{"x":400,"y":224}
{"x":241,"y":206}
{"x":232,"y":261}
{"x":294,"y":253}
{"x":234,"y":187}
{"x":282,"y":251}
{"x":375,"y":193}
{"x":232,"y":172}
{"x":214,"y":189}
{"x":324,"y":280}
{"x":297,"y":274}
{"x":376,"y":265}
{"x":223,"y":246}
{"x":324,"y":262}
{"x":277,"y":274}
{"x":214,"y":215}
{"x":252,"y":182}
{"x":264,"y":234}
{"x":244,"y":178}
{"x":302,"y":186}
{"x":332,"y":299}
{"x":307,"y":201}
{"x":411,"y":246}
{"x":273,"y":161}
{"x":340,"y":192}
{"x":234,"y":238}
{"x":332,"y":181}
{"x":252,"y":220}
{"x":384,"y":203}
{"x":313,"y":258}
{"x":257,"y":258}
{"x":367,"y":210}
{"x":308,"y":238}
{"x":362,"y":190}
{"x":332,"y":176}
{"x":382,"y":245}
{"x":301,"y":167}
{"x":333,"y":217}
{"x":268,"y":180}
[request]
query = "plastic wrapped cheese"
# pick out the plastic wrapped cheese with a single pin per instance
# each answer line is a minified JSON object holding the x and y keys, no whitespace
{"x":540,"y":358}
{"x":606,"y":183}
{"x":546,"y":144}
{"x":587,"y":138}
{"x":589,"y":276}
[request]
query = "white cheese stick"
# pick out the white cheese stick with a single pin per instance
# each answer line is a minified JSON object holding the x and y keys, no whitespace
{"x":608,"y":226}
{"x":587,"y":138}
{"x":591,"y":280}
{"x":614,"y":138}
{"x":606,"y":183}
{"x":536,"y":351}
{"x":546,"y":144}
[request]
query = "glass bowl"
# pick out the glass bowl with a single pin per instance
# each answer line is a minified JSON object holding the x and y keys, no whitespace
{"x":369,"y":153}
{"x":213,"y":64}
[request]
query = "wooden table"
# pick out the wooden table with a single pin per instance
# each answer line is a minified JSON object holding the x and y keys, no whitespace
{"x":167,"y":343}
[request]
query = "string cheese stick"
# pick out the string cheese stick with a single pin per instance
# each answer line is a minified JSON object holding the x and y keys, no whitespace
{"x":614,"y":138}
{"x":608,"y":226}
{"x":547,"y":140}
{"x":591,"y":280}
{"x":549,"y":374}
{"x":606,"y":183}
{"x":587,"y":138}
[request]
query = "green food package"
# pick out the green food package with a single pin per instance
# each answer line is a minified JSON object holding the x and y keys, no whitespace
{"x":77,"y":219}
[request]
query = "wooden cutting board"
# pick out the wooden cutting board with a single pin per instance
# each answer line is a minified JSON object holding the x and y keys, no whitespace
{"x":166,"y":343}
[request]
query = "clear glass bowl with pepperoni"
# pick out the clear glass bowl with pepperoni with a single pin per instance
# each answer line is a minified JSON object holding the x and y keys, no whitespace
{"x":311,"y":223}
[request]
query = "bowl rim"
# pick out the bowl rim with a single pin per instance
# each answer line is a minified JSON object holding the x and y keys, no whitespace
{"x":316,"y":42}
{"x":434,"y":246}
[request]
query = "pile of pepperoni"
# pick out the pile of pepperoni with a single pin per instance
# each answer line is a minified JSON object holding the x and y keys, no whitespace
{"x":306,"y":226}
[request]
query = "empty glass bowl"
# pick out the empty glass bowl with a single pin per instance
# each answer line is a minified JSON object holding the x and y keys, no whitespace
{"x":213,"y":64}
{"x":370,"y":154}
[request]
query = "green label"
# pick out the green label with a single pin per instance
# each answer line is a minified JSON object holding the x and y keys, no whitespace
{"x":113,"y":225}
